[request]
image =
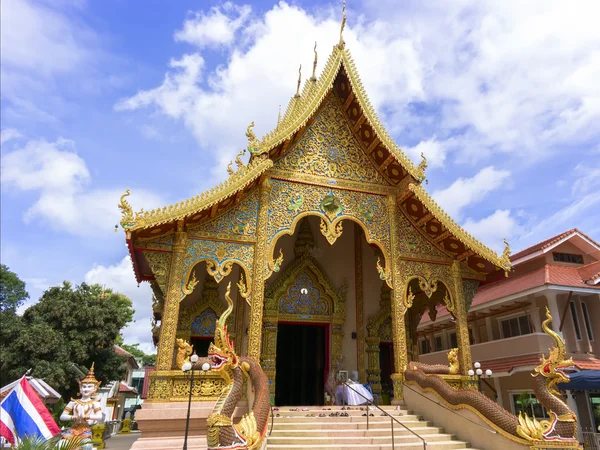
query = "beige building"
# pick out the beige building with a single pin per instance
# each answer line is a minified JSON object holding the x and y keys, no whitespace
{"x":505,"y":323}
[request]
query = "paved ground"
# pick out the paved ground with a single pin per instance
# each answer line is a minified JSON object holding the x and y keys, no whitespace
{"x":122,"y":441}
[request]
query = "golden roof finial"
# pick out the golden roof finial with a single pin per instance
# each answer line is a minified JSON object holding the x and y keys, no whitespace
{"x":279,"y":116}
{"x":90,"y":378}
{"x":341,"y":44}
{"x":314,"y":76}
{"x":422,"y":166}
{"x":299,"y":81}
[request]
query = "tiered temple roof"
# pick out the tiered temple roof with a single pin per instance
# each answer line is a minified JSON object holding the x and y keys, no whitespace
{"x":404,"y":178}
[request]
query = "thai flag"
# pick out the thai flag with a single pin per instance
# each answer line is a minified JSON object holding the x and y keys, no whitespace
{"x":22,"y":414}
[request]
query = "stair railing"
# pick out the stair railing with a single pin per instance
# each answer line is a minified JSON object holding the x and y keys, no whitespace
{"x":272,"y":420}
{"x":451,"y":410}
{"x":392,"y":418}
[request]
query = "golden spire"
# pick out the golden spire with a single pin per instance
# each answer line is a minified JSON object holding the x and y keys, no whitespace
{"x":341,"y":44}
{"x":314,"y":76}
{"x":90,"y":378}
{"x":279,"y":116}
{"x":299,"y":81}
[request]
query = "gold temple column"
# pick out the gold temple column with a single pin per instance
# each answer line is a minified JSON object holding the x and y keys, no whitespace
{"x":374,"y":368}
{"x":398,"y":307}
{"x":359,"y":293}
{"x":462,"y":327}
{"x":168,"y":328}
{"x":259,"y":271}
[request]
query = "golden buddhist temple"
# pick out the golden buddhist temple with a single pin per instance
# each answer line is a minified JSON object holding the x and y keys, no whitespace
{"x":316,"y":259}
{"x":333,"y":246}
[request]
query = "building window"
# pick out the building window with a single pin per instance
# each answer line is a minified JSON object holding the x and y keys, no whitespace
{"x":527,"y":403}
{"x":438,"y":342}
{"x":453,"y":340}
{"x":424,"y":346}
{"x":138,"y":383}
{"x":575,"y":320}
{"x":568,"y":258}
{"x":515,"y":326}
{"x":586,"y":320}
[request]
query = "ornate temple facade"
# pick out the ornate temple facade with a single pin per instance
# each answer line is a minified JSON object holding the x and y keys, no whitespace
{"x":333,"y":248}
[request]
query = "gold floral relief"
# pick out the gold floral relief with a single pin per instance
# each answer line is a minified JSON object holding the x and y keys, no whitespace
{"x":219,"y":256}
{"x":159,"y":263}
{"x":293,"y":201}
{"x":411,"y":243}
{"x":328,"y":148}
{"x":238,"y":220}
{"x":164,"y":242}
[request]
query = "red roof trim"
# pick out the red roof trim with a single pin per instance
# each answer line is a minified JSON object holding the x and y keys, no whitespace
{"x":549,"y":243}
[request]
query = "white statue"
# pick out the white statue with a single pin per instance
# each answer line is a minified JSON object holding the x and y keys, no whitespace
{"x":85,"y":411}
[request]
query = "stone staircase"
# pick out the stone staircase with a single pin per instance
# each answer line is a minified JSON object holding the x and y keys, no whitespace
{"x":294,"y":429}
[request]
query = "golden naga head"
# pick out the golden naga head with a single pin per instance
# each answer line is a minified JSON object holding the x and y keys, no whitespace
{"x":453,"y":361}
{"x":221,"y":352}
{"x":554,"y":366}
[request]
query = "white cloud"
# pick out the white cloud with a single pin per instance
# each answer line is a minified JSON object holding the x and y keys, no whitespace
{"x":119,"y":277}
{"x":261,"y":73}
{"x":216,"y":28}
{"x":493,"y":79}
{"x":492,"y":229}
{"x":61,"y":177}
{"x":587,"y":178}
{"x":466,"y":191}
{"x":39,"y":38}
{"x":434,"y":150}
{"x":8,"y":134}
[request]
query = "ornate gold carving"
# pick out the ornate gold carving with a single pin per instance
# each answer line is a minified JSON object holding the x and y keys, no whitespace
{"x":239,"y":222}
{"x":281,"y":222}
{"x":286,"y":301}
{"x":173,"y":386}
{"x":219,"y":271}
{"x":328,"y":148}
{"x":189,"y":287}
{"x":159,"y":263}
{"x":359,"y":294}
{"x":462,"y":327}
{"x":168,"y":327}
{"x":184,"y":351}
{"x":164,"y":242}
{"x":384,"y":273}
{"x":260,"y":263}
{"x":275,"y":265}
{"x":235,"y":183}
{"x":323,"y":181}
{"x":219,"y":257}
{"x":243,"y":289}
{"x":453,"y":361}
{"x":457,"y":231}
{"x":207,"y":307}
{"x":423,"y":165}
{"x":330,"y":231}
{"x":398,"y":305}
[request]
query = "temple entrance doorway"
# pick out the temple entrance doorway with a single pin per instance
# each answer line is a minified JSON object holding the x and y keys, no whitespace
{"x":386,"y":364}
{"x":201,"y":345}
{"x":301,"y":364}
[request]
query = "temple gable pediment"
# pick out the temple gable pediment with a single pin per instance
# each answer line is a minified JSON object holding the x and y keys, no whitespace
{"x":328,"y":148}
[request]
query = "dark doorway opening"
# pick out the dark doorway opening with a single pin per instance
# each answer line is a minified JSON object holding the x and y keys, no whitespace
{"x":386,"y":364}
{"x":201,"y":345}
{"x":301,"y":356}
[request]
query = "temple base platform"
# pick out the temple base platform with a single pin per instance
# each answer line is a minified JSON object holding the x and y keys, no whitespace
{"x":163,"y":424}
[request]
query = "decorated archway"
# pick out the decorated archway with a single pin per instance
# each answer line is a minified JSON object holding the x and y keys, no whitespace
{"x":302,"y":294}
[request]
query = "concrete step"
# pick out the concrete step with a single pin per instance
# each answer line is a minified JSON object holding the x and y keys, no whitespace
{"x":345,"y":440}
{"x":442,"y":445}
{"x":343,"y":422}
{"x":355,"y":432}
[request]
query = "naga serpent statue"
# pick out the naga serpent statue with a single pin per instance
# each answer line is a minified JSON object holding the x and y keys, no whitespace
{"x":250,"y":431}
{"x":563,"y":423}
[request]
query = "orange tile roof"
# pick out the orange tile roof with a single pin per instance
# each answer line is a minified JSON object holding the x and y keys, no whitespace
{"x":548,"y":274}
{"x":511,"y":363}
{"x":590,"y":271}
{"x":547,"y":243}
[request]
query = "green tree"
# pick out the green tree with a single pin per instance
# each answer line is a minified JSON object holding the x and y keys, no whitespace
{"x":12,"y":290}
{"x":70,"y":326}
{"x":12,"y":295}
{"x":147,"y":359}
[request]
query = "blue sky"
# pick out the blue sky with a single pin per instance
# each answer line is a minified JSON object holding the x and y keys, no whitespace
{"x":155,"y":96}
